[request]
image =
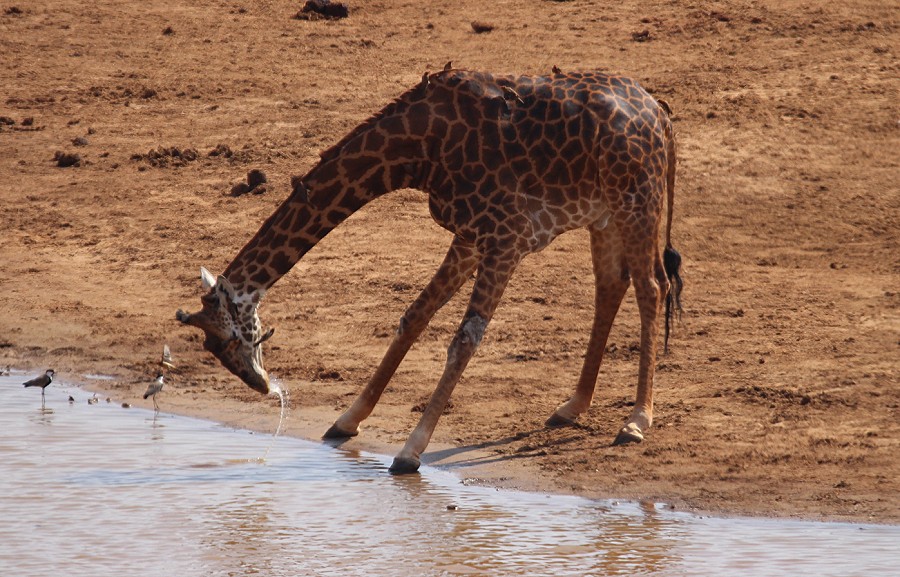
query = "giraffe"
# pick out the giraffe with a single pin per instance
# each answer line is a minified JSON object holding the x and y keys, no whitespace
{"x":508,"y":164}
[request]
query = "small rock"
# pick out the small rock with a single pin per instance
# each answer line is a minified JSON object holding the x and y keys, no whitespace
{"x":27,"y":121}
{"x":80,"y":141}
{"x":239,"y":189}
{"x":482,"y":27}
{"x":642,"y":36}
{"x":315,"y":9}
{"x":256,"y":177}
{"x":126,"y":406}
{"x":261,"y":189}
{"x":66,"y":159}
{"x":221,"y":150}
{"x":167,"y":31}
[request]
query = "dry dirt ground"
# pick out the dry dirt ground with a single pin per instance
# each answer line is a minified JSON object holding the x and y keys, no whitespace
{"x":780,"y":395}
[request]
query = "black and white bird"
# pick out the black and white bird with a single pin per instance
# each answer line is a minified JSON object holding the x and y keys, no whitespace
{"x":166,"y":360}
{"x":154,"y":388}
{"x":42,"y":381}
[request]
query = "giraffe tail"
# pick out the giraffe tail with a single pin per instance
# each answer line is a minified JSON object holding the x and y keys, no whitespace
{"x":671,"y":257}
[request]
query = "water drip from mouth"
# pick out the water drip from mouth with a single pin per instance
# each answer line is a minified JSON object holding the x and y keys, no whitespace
{"x":276,"y":389}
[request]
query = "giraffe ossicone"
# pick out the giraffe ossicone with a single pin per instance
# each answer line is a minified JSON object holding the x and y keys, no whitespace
{"x":508,"y":163}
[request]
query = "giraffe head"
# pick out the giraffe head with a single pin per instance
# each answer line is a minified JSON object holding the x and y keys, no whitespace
{"x":233,"y":331}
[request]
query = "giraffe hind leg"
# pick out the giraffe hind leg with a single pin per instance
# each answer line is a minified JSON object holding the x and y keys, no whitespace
{"x":456,"y":268}
{"x":650,"y":284}
{"x":611,"y":283}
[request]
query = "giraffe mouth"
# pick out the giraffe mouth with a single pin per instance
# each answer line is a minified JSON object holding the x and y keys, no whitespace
{"x":242,"y":360}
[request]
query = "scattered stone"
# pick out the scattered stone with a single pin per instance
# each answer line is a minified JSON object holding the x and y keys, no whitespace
{"x":148,"y":93}
{"x":256,"y":177}
{"x":126,"y":406}
{"x":326,"y":375}
{"x":642,"y":36}
{"x":256,"y":183}
{"x":221,"y":150}
{"x":79,"y":141}
{"x":27,"y":121}
{"x":12,"y":11}
{"x":163,"y":157}
{"x":66,"y":159}
{"x":482,"y":27}
{"x":239,"y":189}
{"x":319,"y":9}
{"x":167,"y":31}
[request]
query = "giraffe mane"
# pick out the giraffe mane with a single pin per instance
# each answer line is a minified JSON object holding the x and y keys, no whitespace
{"x":476,"y":84}
{"x":394,"y":107}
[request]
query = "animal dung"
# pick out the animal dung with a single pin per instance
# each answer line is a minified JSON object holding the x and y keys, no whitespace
{"x":255,"y":177}
{"x":256,"y":184}
{"x":323,"y":9}
{"x":66,"y":159}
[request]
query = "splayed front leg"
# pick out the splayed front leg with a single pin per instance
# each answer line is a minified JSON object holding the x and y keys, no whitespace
{"x":461,"y":350}
{"x":456,"y":268}
{"x":494,"y":272}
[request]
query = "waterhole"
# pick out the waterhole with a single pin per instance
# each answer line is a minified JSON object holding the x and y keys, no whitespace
{"x":95,"y":489}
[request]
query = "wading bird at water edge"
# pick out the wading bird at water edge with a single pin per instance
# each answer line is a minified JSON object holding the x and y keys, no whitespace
{"x":153,"y":389}
{"x":42,"y":381}
{"x":508,"y":164}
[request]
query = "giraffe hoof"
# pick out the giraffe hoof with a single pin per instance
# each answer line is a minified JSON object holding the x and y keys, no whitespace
{"x":556,"y":421}
{"x":337,"y":433}
{"x":629,"y":434}
{"x":404,"y":466}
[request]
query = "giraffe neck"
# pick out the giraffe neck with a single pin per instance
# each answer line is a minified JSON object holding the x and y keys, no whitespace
{"x":332,"y":191}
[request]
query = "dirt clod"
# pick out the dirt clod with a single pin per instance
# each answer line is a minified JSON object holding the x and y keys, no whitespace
{"x":67,"y":159}
{"x":315,"y":9}
{"x":256,"y":177}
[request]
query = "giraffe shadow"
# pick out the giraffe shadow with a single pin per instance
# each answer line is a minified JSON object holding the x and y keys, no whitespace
{"x":487,"y":452}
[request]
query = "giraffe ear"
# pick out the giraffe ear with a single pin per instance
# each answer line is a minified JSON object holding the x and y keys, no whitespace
{"x":206,"y":279}
{"x":224,"y":288}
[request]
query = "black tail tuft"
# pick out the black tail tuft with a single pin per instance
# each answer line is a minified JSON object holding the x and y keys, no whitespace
{"x":672,"y":264}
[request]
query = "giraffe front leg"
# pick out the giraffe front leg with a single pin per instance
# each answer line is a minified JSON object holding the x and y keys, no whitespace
{"x":456,"y":268}
{"x":460,"y":352}
{"x":493,"y":275}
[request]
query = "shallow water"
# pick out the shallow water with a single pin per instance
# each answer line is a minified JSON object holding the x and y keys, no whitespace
{"x":99,"y":490}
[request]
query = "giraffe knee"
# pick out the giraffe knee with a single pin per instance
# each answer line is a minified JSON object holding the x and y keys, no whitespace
{"x":403,"y":326}
{"x":467,"y":338}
